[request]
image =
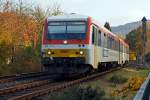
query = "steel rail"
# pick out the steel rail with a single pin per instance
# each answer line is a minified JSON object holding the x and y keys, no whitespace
{"x":23,"y":87}
{"x":61,"y":86}
{"x":11,"y":78}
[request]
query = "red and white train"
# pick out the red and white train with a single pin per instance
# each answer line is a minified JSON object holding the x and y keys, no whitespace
{"x":76,"y":44}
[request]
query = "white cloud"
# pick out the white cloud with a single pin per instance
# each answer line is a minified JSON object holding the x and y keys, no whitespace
{"x":115,"y":11}
{"x":138,"y":14}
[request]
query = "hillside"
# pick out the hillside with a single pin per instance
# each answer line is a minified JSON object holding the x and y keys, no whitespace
{"x":126,"y":28}
{"x":134,"y":38}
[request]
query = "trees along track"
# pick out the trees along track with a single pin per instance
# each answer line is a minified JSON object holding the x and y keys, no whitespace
{"x":57,"y":86}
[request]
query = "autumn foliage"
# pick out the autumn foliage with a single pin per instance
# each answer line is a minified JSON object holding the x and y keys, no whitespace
{"x":136,"y":42}
{"x":21,"y":27}
{"x":134,"y":83}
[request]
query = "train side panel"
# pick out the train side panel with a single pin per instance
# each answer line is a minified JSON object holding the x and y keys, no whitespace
{"x":109,"y":55}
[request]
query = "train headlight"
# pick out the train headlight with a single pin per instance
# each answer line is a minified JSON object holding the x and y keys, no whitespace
{"x":81,"y":52}
{"x":49,"y":52}
{"x":65,"y":42}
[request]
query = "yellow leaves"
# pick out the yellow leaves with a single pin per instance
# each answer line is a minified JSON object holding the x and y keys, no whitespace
{"x":134,"y":83}
{"x":119,"y":91}
{"x":13,"y":26}
{"x":6,"y":38}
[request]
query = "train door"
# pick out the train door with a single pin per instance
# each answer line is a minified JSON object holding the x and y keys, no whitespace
{"x":105,"y":46}
{"x":96,"y":49}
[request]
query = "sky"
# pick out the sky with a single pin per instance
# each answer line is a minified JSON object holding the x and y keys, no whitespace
{"x":116,"y":12}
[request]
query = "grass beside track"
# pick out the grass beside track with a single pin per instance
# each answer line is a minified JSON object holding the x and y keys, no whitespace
{"x":103,"y":85}
{"x":109,"y":87}
{"x":19,"y":68}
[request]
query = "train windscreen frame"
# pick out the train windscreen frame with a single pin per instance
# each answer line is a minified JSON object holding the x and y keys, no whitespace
{"x":66,"y":30}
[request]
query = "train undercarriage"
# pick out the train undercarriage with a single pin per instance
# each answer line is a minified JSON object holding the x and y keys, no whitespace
{"x":66,"y":66}
{"x":74,"y":66}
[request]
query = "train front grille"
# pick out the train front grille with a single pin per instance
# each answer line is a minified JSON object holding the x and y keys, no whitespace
{"x":64,"y":60}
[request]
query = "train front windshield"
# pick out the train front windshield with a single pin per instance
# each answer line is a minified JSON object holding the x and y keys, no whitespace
{"x":66,"y":30}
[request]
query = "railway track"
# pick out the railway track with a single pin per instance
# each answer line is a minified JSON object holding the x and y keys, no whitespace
{"x":37,"y":89}
{"x":17,"y":84}
{"x":12,"y":78}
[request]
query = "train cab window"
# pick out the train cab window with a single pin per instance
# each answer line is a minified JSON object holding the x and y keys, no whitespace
{"x":94,"y":35}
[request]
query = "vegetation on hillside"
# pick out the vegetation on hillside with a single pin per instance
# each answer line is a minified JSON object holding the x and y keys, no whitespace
{"x":21,"y":26}
{"x":135,"y":41}
{"x":127,"y":80}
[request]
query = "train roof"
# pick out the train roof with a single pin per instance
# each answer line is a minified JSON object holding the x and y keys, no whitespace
{"x":68,"y":17}
{"x":109,"y":33}
{"x":75,"y":17}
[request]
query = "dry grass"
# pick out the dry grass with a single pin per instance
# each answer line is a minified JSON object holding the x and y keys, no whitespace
{"x":109,"y":87}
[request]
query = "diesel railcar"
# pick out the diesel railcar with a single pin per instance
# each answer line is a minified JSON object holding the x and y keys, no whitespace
{"x":76,"y":44}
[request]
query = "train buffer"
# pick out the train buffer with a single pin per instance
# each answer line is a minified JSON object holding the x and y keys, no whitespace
{"x":144,"y":91}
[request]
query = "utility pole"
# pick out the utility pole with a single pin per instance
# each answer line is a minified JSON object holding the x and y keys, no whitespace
{"x":144,"y":39}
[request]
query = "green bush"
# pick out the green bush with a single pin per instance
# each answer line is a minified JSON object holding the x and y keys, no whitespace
{"x":118,"y":79}
{"x":80,"y":93}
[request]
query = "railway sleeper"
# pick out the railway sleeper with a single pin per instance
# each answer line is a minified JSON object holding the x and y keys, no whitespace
{"x":59,"y":87}
{"x":22,"y":87}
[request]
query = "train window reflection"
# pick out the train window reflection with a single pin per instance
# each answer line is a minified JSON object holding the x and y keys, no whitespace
{"x":76,"y":29}
{"x":56,"y":29}
{"x":66,"y":27}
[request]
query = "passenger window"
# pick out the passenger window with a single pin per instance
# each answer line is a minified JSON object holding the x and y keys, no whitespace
{"x":93,"y":31}
{"x":99,"y":38}
{"x":121,"y":47}
{"x":109,"y":43}
{"x":104,"y":34}
{"x":96,"y":37}
{"x":117,"y":46}
{"x":113,"y":44}
{"x":105,"y":40}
